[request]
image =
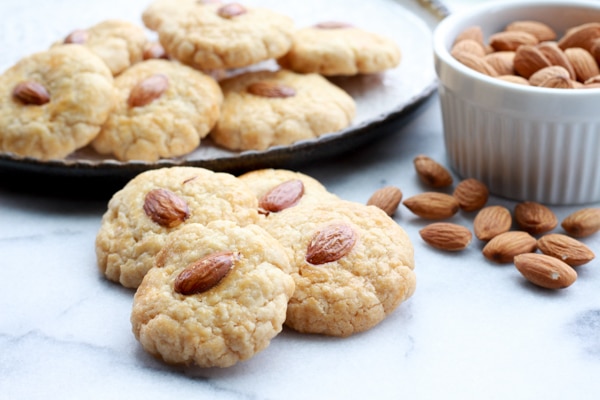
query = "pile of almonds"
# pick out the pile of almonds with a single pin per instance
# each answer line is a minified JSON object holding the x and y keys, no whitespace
{"x":552,"y":267}
{"x":531,"y":53}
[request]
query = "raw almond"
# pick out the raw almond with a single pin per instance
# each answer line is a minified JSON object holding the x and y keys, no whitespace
{"x":528,"y":60}
{"x":504,"y":247}
{"x":165,"y":208}
{"x":285,"y":195}
{"x":580,"y":36}
{"x":583,"y":63}
{"x":476,"y":63}
{"x":446,"y":236}
{"x":595,"y":50}
{"x":511,"y":40}
{"x":205,"y":273}
{"x":78,"y":36}
{"x":469,"y":46}
{"x":545,"y":271}
{"x":583,"y":222}
{"x":556,"y":56}
{"x":231,"y":10}
{"x":431,"y":172}
{"x":471,"y":194}
{"x":565,"y":248}
{"x":387,"y":198}
{"x":538,"y":29}
{"x":492,"y":221}
{"x":502,"y":62}
{"x":559,"y":82}
{"x":472,"y":32}
{"x":271,"y":89}
{"x":534,"y":217}
{"x":331,"y":243}
{"x":542,"y":75}
{"x":31,"y":93}
{"x":432,"y":205}
{"x":148,"y":90}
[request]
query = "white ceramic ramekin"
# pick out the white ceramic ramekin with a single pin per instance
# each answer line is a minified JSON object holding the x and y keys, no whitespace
{"x":525,"y":143}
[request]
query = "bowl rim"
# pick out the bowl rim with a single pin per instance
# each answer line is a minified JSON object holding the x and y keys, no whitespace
{"x":442,"y":51}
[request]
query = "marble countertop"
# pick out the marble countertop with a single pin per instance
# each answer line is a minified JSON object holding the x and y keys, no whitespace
{"x":472,"y":330}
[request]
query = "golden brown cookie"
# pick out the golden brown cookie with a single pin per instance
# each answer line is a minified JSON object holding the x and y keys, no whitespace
{"x":333,"y":48}
{"x":223,"y":36}
{"x":157,"y":202}
{"x":118,"y":42}
{"x":217,"y":295}
{"x":279,"y":189}
{"x":159,"y":11}
{"x":353,"y":265}
{"x":53,"y":102}
{"x":268,"y":108}
{"x":163,"y":110}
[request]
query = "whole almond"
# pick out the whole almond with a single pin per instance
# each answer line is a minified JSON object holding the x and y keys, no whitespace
{"x":556,"y":56}
{"x":446,"y":236}
{"x":165,"y":208}
{"x":545,"y":271}
{"x":502,"y":62}
{"x":78,"y":36}
{"x":154,"y":50}
{"x":271,"y":89}
{"x":31,"y":93}
{"x":148,"y":90}
{"x":432,"y":173}
{"x":474,"y":32}
{"x":553,"y":71}
{"x":231,"y":10}
{"x":432,"y":205}
{"x":476,"y":63}
{"x":285,"y":195}
{"x":565,"y":248}
{"x":387,"y":198}
{"x":511,"y":40}
{"x":534,"y":217}
{"x":583,"y":222}
{"x":504,"y":247}
{"x":538,"y":29}
{"x":559,"y":82}
{"x":492,"y":221}
{"x":471,"y":194}
{"x":205,"y":273}
{"x":331,"y":243}
{"x":469,"y":46}
{"x":528,"y":60}
{"x":583,"y":63}
{"x":580,"y":36}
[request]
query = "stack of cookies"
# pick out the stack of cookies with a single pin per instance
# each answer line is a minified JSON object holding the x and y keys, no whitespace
{"x":113,"y":89}
{"x":221,"y":263}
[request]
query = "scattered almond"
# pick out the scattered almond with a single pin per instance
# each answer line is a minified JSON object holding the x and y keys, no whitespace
{"x":387,"y":198}
{"x":492,"y":221}
{"x":504,"y":247}
{"x":285,"y":195}
{"x":446,"y":236}
{"x":331,"y":243}
{"x":471,"y":194}
{"x":534,"y":217}
{"x":545,"y":271}
{"x":582,"y":223}
{"x":431,"y":172}
{"x":205,"y":273}
{"x":432,"y":205}
{"x":165,"y":208}
{"x":565,"y":248}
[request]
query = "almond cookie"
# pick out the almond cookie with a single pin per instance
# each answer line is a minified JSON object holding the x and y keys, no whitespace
{"x":224,"y":36}
{"x":353,"y":265}
{"x":119,"y":43}
{"x":334,"y":48}
{"x":267,"y":108}
{"x":163,"y":110}
{"x":157,"y":202}
{"x":159,"y":11}
{"x":279,"y":189}
{"x":217,"y":295}
{"x":53,"y":102}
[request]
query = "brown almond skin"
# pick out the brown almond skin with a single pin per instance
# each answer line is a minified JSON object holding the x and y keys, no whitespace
{"x":285,"y":195}
{"x":148,"y":90}
{"x":545,"y":271}
{"x":476,"y":63}
{"x":205,"y":273}
{"x":556,"y":56}
{"x":583,"y":63}
{"x":504,"y":247}
{"x":165,"y":208}
{"x":535,"y":218}
{"x":446,"y":236}
{"x":432,"y":173}
{"x":472,"y":194}
{"x":330,"y":244}
{"x":270,"y":89}
{"x":432,"y":205}
{"x":387,"y":198}
{"x":511,"y":41}
{"x":231,"y":10}
{"x":31,"y":93}
{"x":469,"y":46}
{"x":492,"y":221}
{"x":580,"y":36}
{"x":528,"y":60}
{"x":583,"y":222}
{"x":538,"y":29}
{"x":565,"y":248}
